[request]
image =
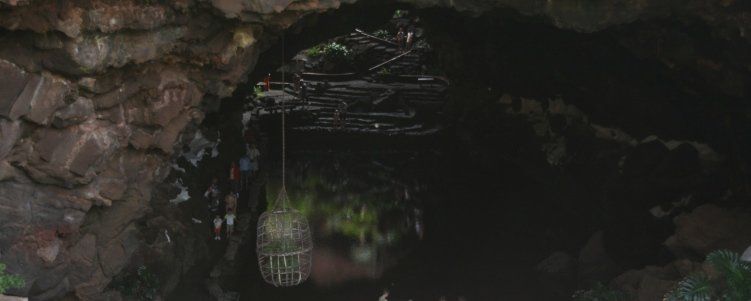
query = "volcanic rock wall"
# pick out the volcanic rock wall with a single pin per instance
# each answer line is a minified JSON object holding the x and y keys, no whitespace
{"x":94,"y":100}
{"x":95,"y":97}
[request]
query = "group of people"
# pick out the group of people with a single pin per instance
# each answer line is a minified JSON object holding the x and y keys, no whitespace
{"x":241,"y":172}
{"x":405,"y":38}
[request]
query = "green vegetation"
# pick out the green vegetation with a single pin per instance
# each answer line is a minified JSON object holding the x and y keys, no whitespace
{"x":279,"y":246}
{"x":400,"y":13}
{"x":381,"y":33}
{"x":258,"y":91}
{"x":142,"y":285}
{"x":357,"y":218}
{"x":331,"y":50}
{"x":9,"y":281}
{"x":599,"y":292}
{"x":732,"y":284}
{"x":336,"y":50}
{"x":384,"y":71}
{"x":315,"y":51}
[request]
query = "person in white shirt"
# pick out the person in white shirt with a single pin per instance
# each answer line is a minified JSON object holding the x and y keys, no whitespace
{"x":384,"y":296}
{"x":230,"y":218}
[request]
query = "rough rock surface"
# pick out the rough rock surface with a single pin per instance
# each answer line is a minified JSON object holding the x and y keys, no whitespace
{"x":652,"y":283}
{"x":594,"y":261}
{"x":95,"y":97}
{"x":710,"y":228}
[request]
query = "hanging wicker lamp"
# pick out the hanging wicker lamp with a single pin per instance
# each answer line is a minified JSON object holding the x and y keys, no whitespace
{"x":284,"y":243}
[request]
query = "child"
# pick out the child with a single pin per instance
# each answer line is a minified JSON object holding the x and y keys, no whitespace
{"x":230,"y":218}
{"x":218,"y":228}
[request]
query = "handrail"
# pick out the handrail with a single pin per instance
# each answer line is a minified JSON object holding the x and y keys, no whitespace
{"x":436,"y":78}
{"x":275,"y":84}
{"x":376,"y":38}
{"x":307,"y":75}
{"x":389,"y":61}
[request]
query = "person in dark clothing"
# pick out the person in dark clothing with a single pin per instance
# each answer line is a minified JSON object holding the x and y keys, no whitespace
{"x":337,"y":118}
{"x":401,"y":37}
{"x":246,"y":170}
{"x":267,"y":82}
{"x":303,"y":91}
{"x":342,"y":113}
{"x":212,"y":195}
{"x":234,"y":176}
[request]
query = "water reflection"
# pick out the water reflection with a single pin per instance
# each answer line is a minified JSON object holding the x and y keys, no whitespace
{"x":362,"y":211}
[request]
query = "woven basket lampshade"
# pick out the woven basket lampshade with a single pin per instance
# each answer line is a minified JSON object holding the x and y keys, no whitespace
{"x":284,"y":245}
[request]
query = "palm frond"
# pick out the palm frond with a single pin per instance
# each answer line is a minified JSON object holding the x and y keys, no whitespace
{"x":694,"y":288}
{"x":737,"y":274}
{"x":726,"y":261}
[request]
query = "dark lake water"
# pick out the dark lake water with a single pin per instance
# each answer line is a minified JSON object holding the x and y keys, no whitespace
{"x":424,"y":219}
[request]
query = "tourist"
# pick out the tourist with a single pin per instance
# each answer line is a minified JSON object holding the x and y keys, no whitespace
{"x":212,"y":195}
{"x":336,"y":117}
{"x":410,"y":39}
{"x":343,"y":111}
{"x":218,"y":227}
{"x":400,"y":37}
{"x":303,"y":90}
{"x":246,"y":168}
{"x":230,"y":219}
{"x":255,"y":157}
{"x":230,"y":201}
{"x":296,"y":82}
{"x":384,"y":296}
{"x":234,"y":177}
{"x":267,"y":82}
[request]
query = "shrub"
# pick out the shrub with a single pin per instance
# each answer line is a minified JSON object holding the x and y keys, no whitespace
{"x":143,"y":285}
{"x":336,"y":50}
{"x":400,"y":13}
{"x":733,"y":284}
{"x":314,"y":51}
{"x":381,"y":33}
{"x":9,"y":281}
{"x":258,"y":91}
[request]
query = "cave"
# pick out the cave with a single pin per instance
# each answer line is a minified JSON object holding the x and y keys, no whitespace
{"x":438,"y":150}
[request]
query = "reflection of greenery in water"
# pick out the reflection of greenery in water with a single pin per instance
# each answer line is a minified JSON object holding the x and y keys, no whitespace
{"x":349,"y":198}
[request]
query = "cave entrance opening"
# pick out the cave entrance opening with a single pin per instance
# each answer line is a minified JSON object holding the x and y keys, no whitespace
{"x":385,"y":207}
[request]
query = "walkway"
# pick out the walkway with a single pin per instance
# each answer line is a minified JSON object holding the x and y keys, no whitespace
{"x":389,"y":98}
